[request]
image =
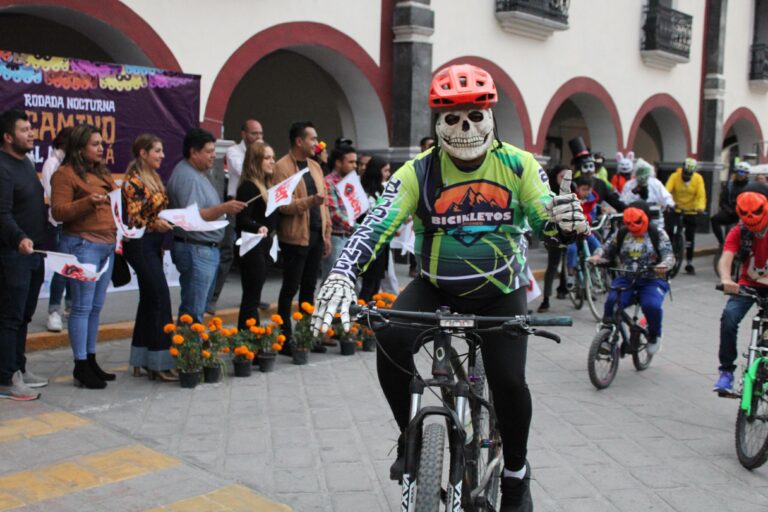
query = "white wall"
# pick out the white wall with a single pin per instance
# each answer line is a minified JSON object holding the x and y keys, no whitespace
{"x":603,"y":43}
{"x":203,"y":35}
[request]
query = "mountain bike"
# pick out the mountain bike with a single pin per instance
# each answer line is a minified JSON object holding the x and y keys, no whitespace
{"x":466,"y":412}
{"x":752,"y":418}
{"x":619,"y":335}
{"x":589,"y":281}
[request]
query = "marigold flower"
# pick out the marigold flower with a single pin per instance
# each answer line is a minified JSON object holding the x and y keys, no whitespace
{"x":205,"y":354}
{"x":169,"y":328}
{"x":244,"y":349}
{"x":276,"y":347}
{"x":353,"y":329}
{"x":177,"y":339}
{"x":330,"y":332}
{"x":186,"y":319}
{"x":250,"y":355}
{"x":380,"y":303}
{"x":268,"y":329}
{"x":198,"y":328}
{"x":217,"y":320}
{"x":377,"y":297}
{"x":233,"y":331}
{"x":225,"y":350}
{"x":254,"y":330}
{"x":297,"y":316}
{"x":361,"y":302}
{"x":308,"y":308}
{"x":204,"y":337}
{"x":280,"y":338}
{"x":277,"y":319}
{"x":174,"y":351}
{"x":337,"y":315}
{"x":358,"y":343}
{"x":250,"y":322}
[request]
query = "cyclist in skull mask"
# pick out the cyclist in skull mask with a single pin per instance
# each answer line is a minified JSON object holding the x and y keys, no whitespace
{"x":646,"y":187}
{"x":583,"y":164}
{"x":687,"y":189}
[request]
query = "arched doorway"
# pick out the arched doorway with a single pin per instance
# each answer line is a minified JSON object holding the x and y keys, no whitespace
{"x":660,"y":131}
{"x":742,"y":136}
{"x":107,"y":31}
{"x":320,"y":75}
{"x":581,"y":107}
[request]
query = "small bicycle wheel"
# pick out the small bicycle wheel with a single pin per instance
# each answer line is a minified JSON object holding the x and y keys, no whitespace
{"x":485,"y":445}
{"x":752,"y":429}
{"x":678,"y":247}
{"x":638,"y":341}
{"x":603,"y":359}
{"x":430,"y":473}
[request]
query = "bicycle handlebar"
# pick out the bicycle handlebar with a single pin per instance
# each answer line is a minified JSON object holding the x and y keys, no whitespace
{"x":437,"y":316}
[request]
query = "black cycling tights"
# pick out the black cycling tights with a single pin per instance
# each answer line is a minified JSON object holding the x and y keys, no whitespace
{"x":504,"y":360}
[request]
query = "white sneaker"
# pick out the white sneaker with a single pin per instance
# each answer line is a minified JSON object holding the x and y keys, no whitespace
{"x":654,"y":348}
{"x":33,"y":381}
{"x":54,"y":323}
{"x":17,"y":390}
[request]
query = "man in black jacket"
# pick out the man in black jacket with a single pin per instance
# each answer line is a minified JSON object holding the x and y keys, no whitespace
{"x":22,"y":228}
{"x":726,"y":214}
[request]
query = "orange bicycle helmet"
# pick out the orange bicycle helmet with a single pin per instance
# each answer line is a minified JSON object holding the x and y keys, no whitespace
{"x":462,"y":85}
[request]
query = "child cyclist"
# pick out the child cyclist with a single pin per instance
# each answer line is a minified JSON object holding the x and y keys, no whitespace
{"x":746,"y":240}
{"x":640,"y":244}
{"x":589,"y":200}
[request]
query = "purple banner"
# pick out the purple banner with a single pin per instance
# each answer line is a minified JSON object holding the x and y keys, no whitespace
{"x":122,"y":101}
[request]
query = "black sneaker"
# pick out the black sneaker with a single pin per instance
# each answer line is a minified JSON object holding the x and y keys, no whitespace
{"x":516,"y":493}
{"x":544,"y":306}
{"x":397,"y":468}
{"x":690,"y":270}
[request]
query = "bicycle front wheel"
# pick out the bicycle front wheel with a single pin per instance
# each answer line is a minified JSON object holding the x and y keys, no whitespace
{"x":603,"y":359}
{"x":752,"y":429}
{"x":485,"y":446}
{"x":640,"y":356}
{"x":430,"y":473}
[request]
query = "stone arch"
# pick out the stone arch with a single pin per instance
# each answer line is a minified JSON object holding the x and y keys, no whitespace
{"x":662,"y":119}
{"x":745,"y":127}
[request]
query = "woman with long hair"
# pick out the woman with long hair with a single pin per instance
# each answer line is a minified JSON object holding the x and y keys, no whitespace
{"x":376,"y":174}
{"x":144,"y":198}
{"x":256,"y":178}
{"x":79,"y":199}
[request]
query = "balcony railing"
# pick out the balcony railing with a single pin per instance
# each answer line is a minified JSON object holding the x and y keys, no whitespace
{"x":667,"y":30}
{"x":555,"y":10}
{"x":758,"y":69}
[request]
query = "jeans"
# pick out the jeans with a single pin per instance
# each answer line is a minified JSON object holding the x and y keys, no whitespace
{"x":300,"y":267}
{"x":197,"y":266}
{"x":571,"y":254}
{"x":337,"y":244}
{"x":735,"y":310}
{"x":21,"y":277}
{"x":59,"y":283}
{"x":87,"y":296}
{"x":651,"y":293}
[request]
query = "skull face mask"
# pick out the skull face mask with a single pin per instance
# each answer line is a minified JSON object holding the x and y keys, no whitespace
{"x":752,"y":209}
{"x":636,"y":221}
{"x":465,"y":134}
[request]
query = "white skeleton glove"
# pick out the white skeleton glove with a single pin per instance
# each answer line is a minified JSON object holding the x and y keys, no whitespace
{"x":565,"y":209}
{"x":336,"y":294}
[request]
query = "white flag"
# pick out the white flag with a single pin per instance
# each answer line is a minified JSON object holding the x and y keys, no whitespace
{"x":123,"y":231}
{"x":281,"y":194}
{"x":532,"y":291}
{"x":68,"y":266}
{"x":405,"y":239}
{"x":189,"y":219}
{"x":248,"y":241}
{"x":353,"y":196}
{"x":274,"y":249}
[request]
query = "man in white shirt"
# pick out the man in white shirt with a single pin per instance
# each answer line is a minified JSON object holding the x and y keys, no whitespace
{"x":250,"y":132}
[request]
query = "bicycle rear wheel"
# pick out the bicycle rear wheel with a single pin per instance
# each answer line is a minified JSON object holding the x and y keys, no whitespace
{"x":485,"y":446}
{"x":640,"y":357}
{"x":678,"y":248}
{"x":576,"y":292}
{"x":603,"y":359}
{"x":752,"y":429}
{"x":430,"y":473}
{"x":595,"y":289}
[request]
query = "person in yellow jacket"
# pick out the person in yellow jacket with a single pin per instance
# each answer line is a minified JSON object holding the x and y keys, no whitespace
{"x":687,"y":189}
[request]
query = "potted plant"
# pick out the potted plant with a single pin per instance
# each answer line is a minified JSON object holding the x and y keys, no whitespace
{"x":348,"y":341}
{"x":187,"y":349}
{"x":214,"y":343}
{"x":241,"y":345}
{"x":303,"y":339}
{"x":269,"y":341}
{"x":367,"y":337}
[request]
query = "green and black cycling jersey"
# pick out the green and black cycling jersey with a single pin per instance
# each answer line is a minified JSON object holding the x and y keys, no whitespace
{"x":469,"y":224}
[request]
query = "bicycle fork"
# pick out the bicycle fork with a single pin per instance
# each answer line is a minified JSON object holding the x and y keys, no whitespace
{"x":753,"y":366}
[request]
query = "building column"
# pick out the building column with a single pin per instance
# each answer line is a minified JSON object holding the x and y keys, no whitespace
{"x":414,"y":22}
{"x":713,"y":94}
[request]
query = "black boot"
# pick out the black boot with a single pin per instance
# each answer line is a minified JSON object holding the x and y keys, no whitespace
{"x":516,"y":493}
{"x":98,"y":371}
{"x":85,"y":377}
{"x":397,"y":468}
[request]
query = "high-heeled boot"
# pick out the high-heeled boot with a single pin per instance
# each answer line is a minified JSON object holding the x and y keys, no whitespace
{"x":98,"y":371}
{"x":85,"y":377}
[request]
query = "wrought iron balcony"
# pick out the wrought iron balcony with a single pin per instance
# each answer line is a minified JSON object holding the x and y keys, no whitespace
{"x":533,"y":18}
{"x":758,"y":68}
{"x":667,"y":31}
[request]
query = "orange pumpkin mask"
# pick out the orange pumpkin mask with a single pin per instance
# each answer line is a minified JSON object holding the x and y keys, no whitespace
{"x":753,"y":210}
{"x":636,"y":221}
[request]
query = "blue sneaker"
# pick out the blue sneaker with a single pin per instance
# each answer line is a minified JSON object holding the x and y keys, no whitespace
{"x":724,"y":385}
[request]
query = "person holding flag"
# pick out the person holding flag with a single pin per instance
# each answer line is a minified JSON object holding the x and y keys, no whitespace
{"x":305,"y":228}
{"x":343,"y":162}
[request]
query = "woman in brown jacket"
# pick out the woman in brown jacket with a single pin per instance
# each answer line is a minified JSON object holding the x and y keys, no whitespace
{"x":79,"y":200}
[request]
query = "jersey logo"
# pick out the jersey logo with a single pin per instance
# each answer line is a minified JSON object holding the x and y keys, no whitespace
{"x":471,"y":209}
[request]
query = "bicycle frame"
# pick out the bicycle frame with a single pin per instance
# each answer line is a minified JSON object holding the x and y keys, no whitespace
{"x":754,"y":361}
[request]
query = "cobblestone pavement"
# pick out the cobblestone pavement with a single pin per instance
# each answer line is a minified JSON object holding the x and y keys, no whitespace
{"x":318,"y":437}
